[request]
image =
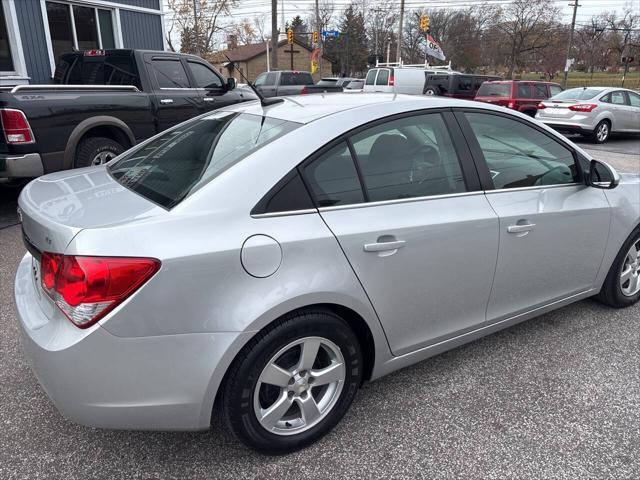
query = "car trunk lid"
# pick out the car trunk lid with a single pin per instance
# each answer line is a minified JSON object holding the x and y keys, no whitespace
{"x":557,"y":108}
{"x":56,"y":207}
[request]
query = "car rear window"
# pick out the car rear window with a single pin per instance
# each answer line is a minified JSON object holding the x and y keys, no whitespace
{"x":577,"y":94}
{"x":494,"y":90}
{"x":295,"y":78}
{"x":178,"y":162}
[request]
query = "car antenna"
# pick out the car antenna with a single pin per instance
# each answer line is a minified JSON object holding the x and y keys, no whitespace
{"x":265,"y":102}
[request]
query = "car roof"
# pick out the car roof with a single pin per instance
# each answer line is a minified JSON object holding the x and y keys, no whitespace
{"x":308,"y":108}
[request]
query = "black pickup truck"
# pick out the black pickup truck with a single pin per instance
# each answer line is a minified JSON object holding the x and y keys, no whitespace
{"x":101,"y":103}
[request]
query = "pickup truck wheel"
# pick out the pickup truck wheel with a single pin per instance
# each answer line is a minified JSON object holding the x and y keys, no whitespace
{"x":96,"y":151}
{"x":432,"y":91}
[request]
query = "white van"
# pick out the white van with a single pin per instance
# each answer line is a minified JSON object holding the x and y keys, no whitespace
{"x":399,"y":78}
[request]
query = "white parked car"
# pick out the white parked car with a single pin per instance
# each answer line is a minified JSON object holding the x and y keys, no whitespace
{"x":596,"y":112}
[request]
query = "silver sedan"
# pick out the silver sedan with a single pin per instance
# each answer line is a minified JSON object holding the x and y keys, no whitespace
{"x":596,"y":112}
{"x":262,"y":261}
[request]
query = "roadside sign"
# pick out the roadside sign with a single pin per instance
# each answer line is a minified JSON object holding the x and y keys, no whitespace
{"x":330,"y":34}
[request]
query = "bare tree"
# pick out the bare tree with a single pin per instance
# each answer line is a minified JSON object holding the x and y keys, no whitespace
{"x":523,"y":25}
{"x":207,"y":19}
{"x":245,"y":32}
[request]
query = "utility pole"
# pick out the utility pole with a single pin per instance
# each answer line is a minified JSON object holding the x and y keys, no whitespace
{"x":195,"y":27}
{"x":399,"y":49}
{"x":573,"y":27}
{"x":274,"y":34}
{"x":318,"y":29}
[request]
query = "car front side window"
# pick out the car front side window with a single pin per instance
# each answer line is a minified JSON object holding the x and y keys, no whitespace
{"x":407,"y":158}
{"x":518,"y":155}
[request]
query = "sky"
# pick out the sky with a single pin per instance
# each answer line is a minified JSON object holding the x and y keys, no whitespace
{"x":252,"y":8}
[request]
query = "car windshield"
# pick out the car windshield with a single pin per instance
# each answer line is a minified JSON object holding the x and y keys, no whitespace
{"x":577,"y":94}
{"x":173,"y":165}
{"x":494,"y":90}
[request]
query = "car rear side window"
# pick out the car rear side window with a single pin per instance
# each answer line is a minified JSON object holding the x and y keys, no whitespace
{"x":170,"y":73}
{"x":371,"y":77}
{"x":333,"y":179}
{"x":494,"y":90}
{"x":634,"y":98}
{"x":407,"y":158}
{"x":178,"y":162}
{"x":383,"y":77}
{"x":523,"y":90}
{"x":518,"y":155}
{"x":555,"y":90}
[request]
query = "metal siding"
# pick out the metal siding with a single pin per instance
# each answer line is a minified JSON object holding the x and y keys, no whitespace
{"x":141,"y":30}
{"x":34,"y":43}
{"x":154,"y":4}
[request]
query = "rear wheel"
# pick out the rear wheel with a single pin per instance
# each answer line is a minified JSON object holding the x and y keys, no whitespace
{"x":293,"y":382}
{"x":432,"y":91}
{"x":602,"y":132}
{"x":96,"y":151}
{"x":622,"y":286}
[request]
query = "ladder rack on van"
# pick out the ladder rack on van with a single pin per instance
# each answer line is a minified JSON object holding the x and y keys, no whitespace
{"x":424,"y":65}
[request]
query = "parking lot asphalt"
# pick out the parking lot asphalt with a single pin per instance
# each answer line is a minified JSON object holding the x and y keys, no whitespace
{"x":555,"y":397}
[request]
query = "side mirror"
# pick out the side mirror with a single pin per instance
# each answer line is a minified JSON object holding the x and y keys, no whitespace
{"x":602,"y":175}
{"x":231,"y":83}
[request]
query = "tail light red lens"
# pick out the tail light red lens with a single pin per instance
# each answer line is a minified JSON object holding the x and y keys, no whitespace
{"x":511,"y":104}
{"x":87,"y":288}
{"x":541,"y":106}
{"x":15,"y":126}
{"x":392,"y":81}
{"x":304,"y":91}
{"x":583,"y":107}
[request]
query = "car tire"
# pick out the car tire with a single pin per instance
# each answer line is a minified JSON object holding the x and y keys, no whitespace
{"x":96,"y":151}
{"x":618,"y":290}
{"x":431,"y":91}
{"x":602,"y":132}
{"x":269,"y":418}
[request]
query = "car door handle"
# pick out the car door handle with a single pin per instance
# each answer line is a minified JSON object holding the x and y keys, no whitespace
{"x":384,"y":246}
{"x":209,"y":99}
{"x":166,"y":101}
{"x":521,"y":228}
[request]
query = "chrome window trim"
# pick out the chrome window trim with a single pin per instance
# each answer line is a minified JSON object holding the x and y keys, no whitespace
{"x":535,"y":187}
{"x":285,"y":213}
{"x":399,"y":201}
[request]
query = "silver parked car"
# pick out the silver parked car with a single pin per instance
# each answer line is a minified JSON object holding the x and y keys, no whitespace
{"x":596,"y":112}
{"x":269,"y":259}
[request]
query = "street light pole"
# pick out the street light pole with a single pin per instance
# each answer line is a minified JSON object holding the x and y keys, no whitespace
{"x":573,"y":27}
{"x":274,"y":34}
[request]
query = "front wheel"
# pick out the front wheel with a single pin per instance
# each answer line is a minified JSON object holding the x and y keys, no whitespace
{"x":622,"y":286}
{"x":293,"y":382}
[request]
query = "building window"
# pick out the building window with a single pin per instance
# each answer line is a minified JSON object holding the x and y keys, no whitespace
{"x":79,"y":27}
{"x":6,"y":60}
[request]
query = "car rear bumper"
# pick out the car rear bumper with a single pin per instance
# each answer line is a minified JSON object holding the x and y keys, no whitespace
{"x":567,"y":127}
{"x":95,"y":378}
{"x":21,"y":166}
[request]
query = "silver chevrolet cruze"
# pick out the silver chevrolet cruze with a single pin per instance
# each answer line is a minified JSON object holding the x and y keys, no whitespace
{"x":262,"y":261}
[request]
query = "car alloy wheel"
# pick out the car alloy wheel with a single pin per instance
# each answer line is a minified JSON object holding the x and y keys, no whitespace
{"x":630,"y":274}
{"x":299,"y":386}
{"x":103,"y":157}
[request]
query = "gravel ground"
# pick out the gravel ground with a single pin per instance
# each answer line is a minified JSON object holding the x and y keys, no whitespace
{"x":556,"y":397}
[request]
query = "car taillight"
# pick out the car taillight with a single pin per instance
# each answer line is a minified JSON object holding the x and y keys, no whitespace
{"x":511,"y":104}
{"x":583,"y":107}
{"x":95,"y":53}
{"x":15,"y":126}
{"x":391,"y":81}
{"x":87,"y":288}
{"x":304,"y":91}
{"x":541,"y":106}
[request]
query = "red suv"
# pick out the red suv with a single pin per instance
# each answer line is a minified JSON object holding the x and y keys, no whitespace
{"x":521,"y":95}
